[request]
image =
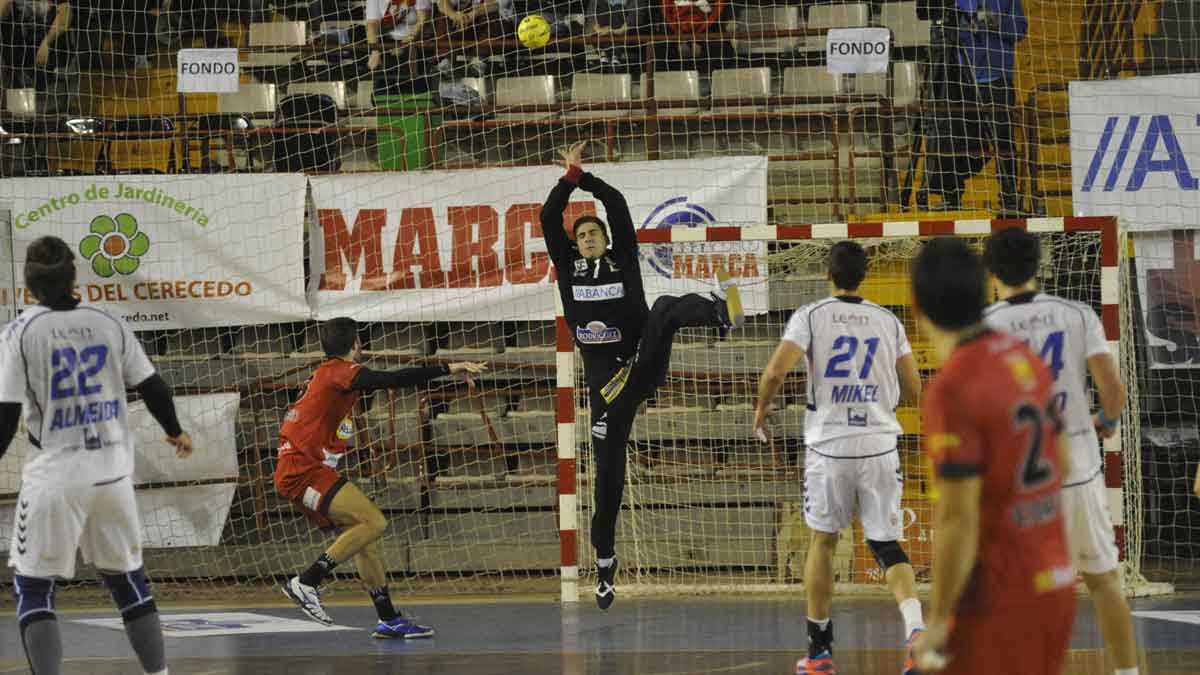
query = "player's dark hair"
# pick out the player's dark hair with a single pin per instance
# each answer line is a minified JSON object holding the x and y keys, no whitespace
{"x":50,"y":269}
{"x":948,"y":283}
{"x":590,"y":219}
{"x":338,"y":336}
{"x":1012,"y":255}
{"x":847,"y":265}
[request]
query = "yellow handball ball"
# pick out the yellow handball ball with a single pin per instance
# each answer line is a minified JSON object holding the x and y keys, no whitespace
{"x":534,"y":31}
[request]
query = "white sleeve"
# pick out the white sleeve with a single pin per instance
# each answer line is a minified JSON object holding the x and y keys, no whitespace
{"x":135,"y":365}
{"x":797,"y":328}
{"x":1097,"y":342}
{"x":903,"y":348}
{"x":12,"y":377}
{"x":375,"y":10}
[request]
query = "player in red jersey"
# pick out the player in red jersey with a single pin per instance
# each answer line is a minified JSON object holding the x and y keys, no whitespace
{"x":313,"y":438}
{"x":1003,"y":596}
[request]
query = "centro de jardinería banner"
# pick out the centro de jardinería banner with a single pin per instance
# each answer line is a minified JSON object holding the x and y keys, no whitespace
{"x":168,"y":252}
{"x":468,"y":246}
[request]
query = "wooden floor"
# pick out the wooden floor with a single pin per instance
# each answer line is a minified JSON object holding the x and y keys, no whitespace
{"x":665,"y":636}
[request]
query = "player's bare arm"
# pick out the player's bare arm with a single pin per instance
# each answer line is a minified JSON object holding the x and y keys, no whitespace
{"x":956,"y":521}
{"x":910,"y":379}
{"x":1103,"y":369}
{"x":786,"y":355}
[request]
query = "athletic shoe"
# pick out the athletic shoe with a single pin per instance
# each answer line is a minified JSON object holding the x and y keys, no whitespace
{"x":308,"y":599}
{"x":732,"y":314}
{"x":821,"y":664}
{"x":910,"y":667}
{"x":402,"y":628}
{"x":606,"y":592}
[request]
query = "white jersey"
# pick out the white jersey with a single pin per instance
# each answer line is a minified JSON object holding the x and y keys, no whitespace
{"x":1066,"y":334}
{"x":851,"y":346}
{"x":70,"y":369}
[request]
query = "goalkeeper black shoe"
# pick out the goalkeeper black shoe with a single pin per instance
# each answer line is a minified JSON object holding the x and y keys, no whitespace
{"x":606,"y":592}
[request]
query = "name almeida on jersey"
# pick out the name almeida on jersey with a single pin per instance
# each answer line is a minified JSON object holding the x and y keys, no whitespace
{"x":598,"y":293}
{"x":88,"y":413}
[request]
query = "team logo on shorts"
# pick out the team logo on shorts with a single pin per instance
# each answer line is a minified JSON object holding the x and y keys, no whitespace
{"x":856,"y":417}
{"x":346,"y":429}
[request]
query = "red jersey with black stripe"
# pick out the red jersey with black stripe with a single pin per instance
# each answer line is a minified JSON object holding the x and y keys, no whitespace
{"x":989,"y":413}
{"x":320,"y":420}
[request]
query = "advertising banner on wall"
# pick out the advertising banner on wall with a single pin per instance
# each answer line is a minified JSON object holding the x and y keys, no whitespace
{"x":1135,"y":151}
{"x":168,"y":252}
{"x":467,"y":245}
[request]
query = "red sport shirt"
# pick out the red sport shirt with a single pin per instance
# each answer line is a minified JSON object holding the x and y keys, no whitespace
{"x":314,"y":424}
{"x":988,"y":414}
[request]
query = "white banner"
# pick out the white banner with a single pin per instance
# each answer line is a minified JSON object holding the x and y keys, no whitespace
{"x":207,"y":71}
{"x":1168,"y":279}
{"x":467,"y":245}
{"x":190,"y":515}
{"x":857,"y":50}
{"x":167,"y":252}
{"x":1134,"y":143}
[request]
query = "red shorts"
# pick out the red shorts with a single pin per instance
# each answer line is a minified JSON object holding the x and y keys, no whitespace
{"x":309,"y":485}
{"x":1030,"y":639}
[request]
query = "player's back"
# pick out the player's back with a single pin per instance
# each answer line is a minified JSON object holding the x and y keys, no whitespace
{"x":1064,"y":334}
{"x":851,"y":346}
{"x":990,"y":414}
{"x":77,"y":364}
{"x":318,"y":420}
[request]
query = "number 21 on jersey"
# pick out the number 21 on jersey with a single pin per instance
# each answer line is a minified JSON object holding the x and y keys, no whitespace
{"x":844,"y":348}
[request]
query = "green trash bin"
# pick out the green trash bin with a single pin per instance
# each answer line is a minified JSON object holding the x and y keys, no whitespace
{"x":402,"y":134}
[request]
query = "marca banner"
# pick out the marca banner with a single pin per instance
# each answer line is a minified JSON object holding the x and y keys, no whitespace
{"x":1168,"y":279}
{"x":168,"y":252}
{"x":467,"y":245}
{"x":1135,"y":150}
{"x":192,"y":514}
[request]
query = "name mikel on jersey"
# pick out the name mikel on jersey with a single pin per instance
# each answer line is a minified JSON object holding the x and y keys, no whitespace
{"x":855,"y":393}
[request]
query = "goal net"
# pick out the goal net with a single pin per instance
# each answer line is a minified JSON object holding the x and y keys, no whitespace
{"x":224,"y":219}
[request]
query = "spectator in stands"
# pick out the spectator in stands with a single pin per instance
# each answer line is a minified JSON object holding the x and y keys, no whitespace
{"x":987,"y":36}
{"x":37,"y":50}
{"x":392,"y":28}
{"x":618,"y":17}
{"x":688,"y":19}
{"x":183,"y":21}
{"x":467,"y":21}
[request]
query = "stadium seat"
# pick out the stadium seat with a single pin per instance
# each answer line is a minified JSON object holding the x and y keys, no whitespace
{"x":275,"y":34}
{"x":536,"y":89}
{"x":680,"y":85}
{"x":21,"y":102}
{"x":597,"y":88}
{"x":313,"y":150}
{"x":907,"y":29}
{"x":737,"y":83}
{"x":334,"y":90}
{"x":811,"y":81}
{"x":151,"y":149}
{"x":766,"y":18}
{"x":824,"y":17}
{"x":904,"y":84}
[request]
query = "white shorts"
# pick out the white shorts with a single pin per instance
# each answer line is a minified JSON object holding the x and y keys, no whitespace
{"x":52,"y":523}
{"x":1089,"y":527}
{"x":835,"y":489}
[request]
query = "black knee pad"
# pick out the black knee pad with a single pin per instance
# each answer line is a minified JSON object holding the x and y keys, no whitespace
{"x":887,"y":553}
{"x":130,"y":592}
{"x":35,"y":599}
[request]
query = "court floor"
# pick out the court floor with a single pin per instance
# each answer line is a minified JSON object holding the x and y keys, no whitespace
{"x":665,"y":636}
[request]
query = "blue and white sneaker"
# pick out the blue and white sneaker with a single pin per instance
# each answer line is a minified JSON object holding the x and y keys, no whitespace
{"x":401,"y":627}
{"x":308,"y":599}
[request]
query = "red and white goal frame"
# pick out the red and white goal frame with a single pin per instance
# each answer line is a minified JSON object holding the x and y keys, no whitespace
{"x":1106,"y":227}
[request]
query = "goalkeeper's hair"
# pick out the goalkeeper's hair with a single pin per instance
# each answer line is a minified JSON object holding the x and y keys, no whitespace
{"x":590,"y":219}
{"x":1012,"y":255}
{"x":338,"y":336}
{"x":847,"y":265}
{"x":50,"y":269}
{"x":949,"y":284}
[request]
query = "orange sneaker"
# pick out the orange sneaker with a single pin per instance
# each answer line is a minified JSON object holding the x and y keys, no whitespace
{"x":821,"y":664}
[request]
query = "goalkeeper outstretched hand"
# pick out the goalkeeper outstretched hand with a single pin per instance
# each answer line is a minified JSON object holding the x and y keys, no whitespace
{"x":573,"y":155}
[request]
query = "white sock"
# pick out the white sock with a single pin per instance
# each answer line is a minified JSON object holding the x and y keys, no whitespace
{"x":1127,"y":671}
{"x":911,"y":610}
{"x":161,"y":672}
{"x":821,"y":623}
{"x":605,"y":562}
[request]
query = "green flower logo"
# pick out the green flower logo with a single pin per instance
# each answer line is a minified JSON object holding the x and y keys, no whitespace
{"x":114,"y":246}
